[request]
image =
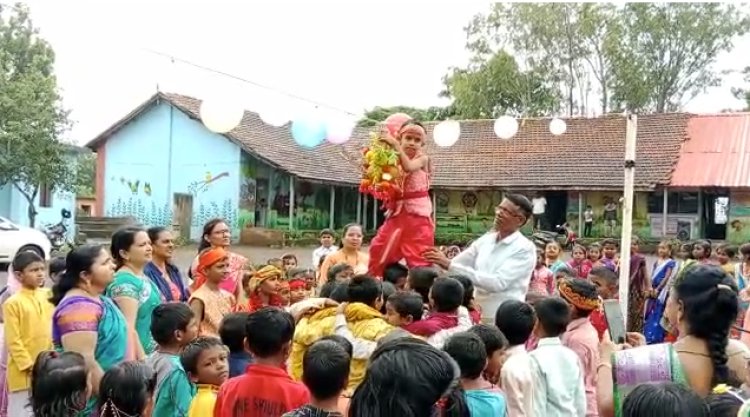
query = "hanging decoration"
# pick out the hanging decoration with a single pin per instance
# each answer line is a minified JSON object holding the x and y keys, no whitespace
{"x":339,"y":130}
{"x":446,"y":133}
{"x":506,"y":127}
{"x":221,"y":115}
{"x":557,"y":126}
{"x":308,"y":131}
{"x":381,"y":172}
{"x":394,"y":122}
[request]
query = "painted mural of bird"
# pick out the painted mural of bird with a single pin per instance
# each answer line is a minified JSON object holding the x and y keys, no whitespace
{"x":134,"y":186}
{"x":147,"y":188}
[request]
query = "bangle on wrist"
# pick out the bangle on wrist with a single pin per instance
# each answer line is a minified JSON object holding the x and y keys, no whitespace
{"x":603,"y":365}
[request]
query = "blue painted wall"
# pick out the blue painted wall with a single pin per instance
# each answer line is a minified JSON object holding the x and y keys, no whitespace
{"x":14,"y":206}
{"x":162,"y":153}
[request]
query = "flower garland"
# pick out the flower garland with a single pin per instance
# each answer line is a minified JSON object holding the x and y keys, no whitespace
{"x":382,"y":176}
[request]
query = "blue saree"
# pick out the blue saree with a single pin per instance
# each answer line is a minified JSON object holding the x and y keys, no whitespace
{"x":660,"y":277}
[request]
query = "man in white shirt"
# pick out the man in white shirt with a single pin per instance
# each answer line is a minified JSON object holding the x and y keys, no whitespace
{"x":499,"y":263}
{"x":539,"y":204}
{"x":558,"y":378}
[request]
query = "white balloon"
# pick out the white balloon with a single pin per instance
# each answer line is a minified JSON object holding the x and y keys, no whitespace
{"x":557,"y":126}
{"x":221,"y":115}
{"x":274,"y":117}
{"x":446,"y":133}
{"x":506,"y":127}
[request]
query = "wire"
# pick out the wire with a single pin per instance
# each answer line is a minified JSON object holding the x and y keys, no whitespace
{"x":245,"y":80}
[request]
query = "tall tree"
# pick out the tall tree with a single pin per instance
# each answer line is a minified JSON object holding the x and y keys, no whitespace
{"x":378,"y":114}
{"x":666,"y":52}
{"x":31,"y":116}
{"x":498,"y":86}
{"x":744,"y":93}
{"x":85,"y":183}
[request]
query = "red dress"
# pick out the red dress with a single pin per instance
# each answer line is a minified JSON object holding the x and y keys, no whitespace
{"x":409,"y":231}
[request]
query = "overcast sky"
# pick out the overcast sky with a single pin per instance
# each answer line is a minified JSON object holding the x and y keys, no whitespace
{"x":348,"y":54}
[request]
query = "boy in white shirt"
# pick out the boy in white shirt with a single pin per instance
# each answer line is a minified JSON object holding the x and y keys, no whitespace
{"x":326,"y":247}
{"x":516,"y":320}
{"x":558,"y":379}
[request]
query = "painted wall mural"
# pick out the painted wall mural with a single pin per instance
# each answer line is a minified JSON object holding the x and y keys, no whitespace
{"x":203,"y":185}
{"x":470,"y":211}
{"x":738,"y":229}
{"x":146,"y":213}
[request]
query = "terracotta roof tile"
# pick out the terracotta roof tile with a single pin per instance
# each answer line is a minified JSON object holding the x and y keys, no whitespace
{"x":588,"y":156}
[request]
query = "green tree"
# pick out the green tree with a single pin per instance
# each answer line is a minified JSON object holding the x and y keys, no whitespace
{"x":31,"y":116}
{"x":497,"y":86}
{"x":377,"y":114}
{"x":744,"y":93}
{"x":86,"y":175}
{"x":666,"y":52}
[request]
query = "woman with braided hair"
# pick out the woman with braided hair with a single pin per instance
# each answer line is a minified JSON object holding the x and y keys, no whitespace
{"x":702,"y":306}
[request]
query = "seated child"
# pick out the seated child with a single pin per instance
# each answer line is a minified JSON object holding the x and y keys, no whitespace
{"x":205,"y":361}
{"x":475,"y":311}
{"x":445,"y":296}
{"x":266,"y":389}
{"x":396,"y":274}
{"x":482,"y":397}
{"x":210,"y":302}
{"x":173,"y":326}
{"x":232,"y":333}
{"x":558,"y":378}
{"x":325,"y":372}
{"x":495,"y":345}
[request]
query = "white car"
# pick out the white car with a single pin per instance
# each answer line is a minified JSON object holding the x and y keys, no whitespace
{"x":15,"y":238}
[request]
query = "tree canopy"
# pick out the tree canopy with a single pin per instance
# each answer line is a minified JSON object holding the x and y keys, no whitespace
{"x":31,"y":116}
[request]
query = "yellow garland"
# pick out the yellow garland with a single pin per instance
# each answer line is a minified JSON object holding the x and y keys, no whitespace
{"x":381,"y":176}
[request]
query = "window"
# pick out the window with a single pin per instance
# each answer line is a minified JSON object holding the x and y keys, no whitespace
{"x":45,"y":196}
{"x":679,"y":203}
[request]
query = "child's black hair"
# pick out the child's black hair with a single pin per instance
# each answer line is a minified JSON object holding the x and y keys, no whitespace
{"x":408,"y":377}
{"x":337,"y":269}
{"x":388,"y":290}
{"x":468,"y":288}
{"x":469,"y":352}
{"x":663,"y":400}
{"x":126,"y":389}
{"x":395,"y":272}
{"x":491,"y":336}
{"x":553,"y":314}
{"x":610,"y":242}
{"x":516,"y":320}
{"x":23,"y":259}
{"x":341,"y":340}
{"x":268,"y":330}
{"x":364,"y":289}
{"x":608,"y":275}
{"x":727,"y":404}
{"x":327,"y":232}
{"x":729,"y":250}
{"x":59,"y":384}
{"x":710,"y":304}
{"x":407,"y":303}
{"x":56,"y":266}
{"x":447,"y":295}
{"x":232,"y":331}
{"x":706,"y":245}
{"x":192,"y":351}
{"x":325,"y":369}
{"x":336,"y":291}
{"x":168,"y":318}
{"x":421,"y":280}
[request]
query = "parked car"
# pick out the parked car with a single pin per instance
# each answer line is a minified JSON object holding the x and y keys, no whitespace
{"x":15,"y":238}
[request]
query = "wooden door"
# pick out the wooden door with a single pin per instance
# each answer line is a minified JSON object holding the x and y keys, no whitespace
{"x":183,"y":215}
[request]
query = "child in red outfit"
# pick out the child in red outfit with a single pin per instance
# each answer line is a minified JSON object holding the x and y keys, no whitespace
{"x":579,"y":264}
{"x":265,"y":390}
{"x":446,"y":296}
{"x":408,"y":230}
{"x":607,"y":284}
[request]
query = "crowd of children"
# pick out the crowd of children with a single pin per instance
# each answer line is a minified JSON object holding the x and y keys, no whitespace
{"x":410,"y":343}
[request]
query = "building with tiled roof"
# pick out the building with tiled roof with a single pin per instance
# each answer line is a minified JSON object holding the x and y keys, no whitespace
{"x":162,"y":166}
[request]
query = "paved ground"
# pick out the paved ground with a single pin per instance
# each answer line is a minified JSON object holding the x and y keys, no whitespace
{"x":185,"y":255}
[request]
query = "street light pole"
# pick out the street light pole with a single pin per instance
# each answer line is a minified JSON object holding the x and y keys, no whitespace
{"x":631,"y":130}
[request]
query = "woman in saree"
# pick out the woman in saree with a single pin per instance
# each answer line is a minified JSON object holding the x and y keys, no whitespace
{"x":161,"y":270}
{"x":703,"y":307}
{"x":640,"y":286}
{"x":217,"y":234}
{"x":664,"y":267}
{"x":87,"y":322}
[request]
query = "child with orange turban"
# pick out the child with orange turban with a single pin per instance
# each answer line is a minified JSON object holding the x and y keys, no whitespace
{"x":209,"y":301}
{"x":262,"y":288}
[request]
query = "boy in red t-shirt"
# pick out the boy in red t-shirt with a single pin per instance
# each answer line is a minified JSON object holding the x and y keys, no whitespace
{"x":265,"y":390}
{"x":607,"y":286}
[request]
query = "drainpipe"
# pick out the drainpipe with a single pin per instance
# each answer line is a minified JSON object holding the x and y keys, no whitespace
{"x":169,"y":160}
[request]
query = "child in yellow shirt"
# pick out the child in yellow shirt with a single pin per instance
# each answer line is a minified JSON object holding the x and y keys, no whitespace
{"x":28,"y":328}
{"x":206,"y":362}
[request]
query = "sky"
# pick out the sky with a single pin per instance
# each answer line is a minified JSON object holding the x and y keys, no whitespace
{"x":347,"y":55}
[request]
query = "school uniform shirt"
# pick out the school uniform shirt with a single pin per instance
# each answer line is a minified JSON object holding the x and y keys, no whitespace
{"x":558,"y":380}
{"x":28,"y":332}
{"x":500,"y":270}
{"x":582,"y":338}
{"x":320,"y":252}
{"x":434,"y":323}
{"x":517,"y":381}
{"x":204,"y":401}
{"x":263,"y":391}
